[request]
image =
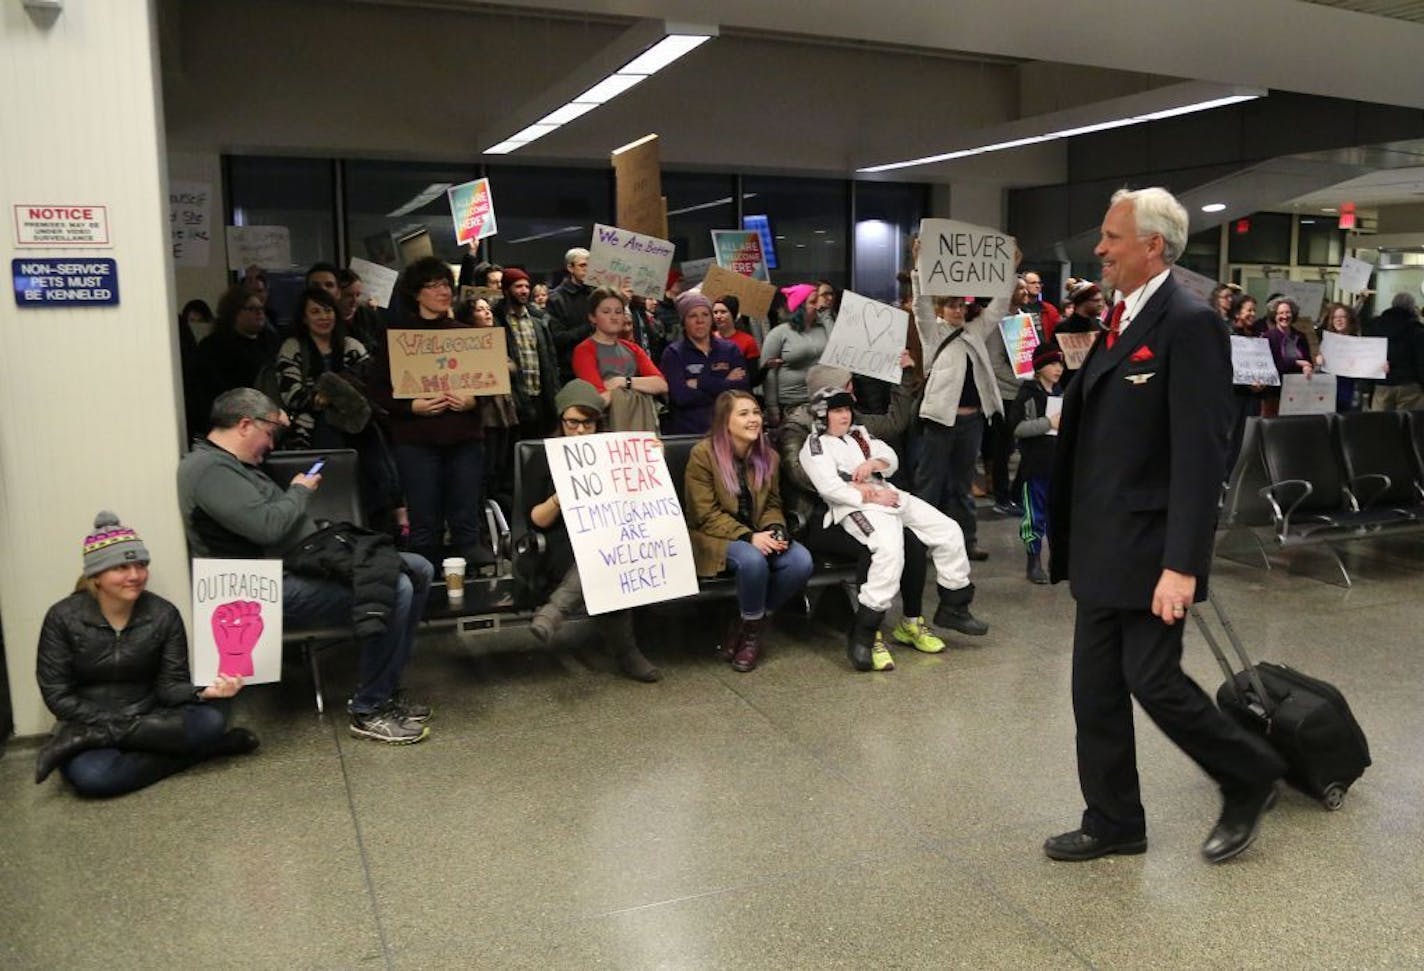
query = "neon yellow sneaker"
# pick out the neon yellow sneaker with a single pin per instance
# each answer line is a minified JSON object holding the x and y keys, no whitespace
{"x":916,"y":633}
{"x":880,"y":659}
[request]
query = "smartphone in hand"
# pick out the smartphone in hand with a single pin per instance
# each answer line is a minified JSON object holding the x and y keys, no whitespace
{"x":316,"y":467}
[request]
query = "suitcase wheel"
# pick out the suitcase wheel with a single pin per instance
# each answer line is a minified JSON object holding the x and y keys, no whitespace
{"x":1334,"y":797}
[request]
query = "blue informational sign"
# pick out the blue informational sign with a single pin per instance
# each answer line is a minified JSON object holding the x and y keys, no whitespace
{"x":77,"y":281}
{"x":762,"y":226}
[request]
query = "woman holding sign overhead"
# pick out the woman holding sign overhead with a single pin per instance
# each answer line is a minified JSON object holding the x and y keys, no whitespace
{"x":113,"y":668}
{"x":736,"y":524}
{"x":439,"y":439}
{"x":581,"y":411}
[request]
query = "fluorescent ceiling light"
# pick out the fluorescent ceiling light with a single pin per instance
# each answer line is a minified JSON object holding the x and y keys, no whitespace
{"x":1214,"y":207}
{"x":1064,"y":133}
{"x":704,"y":205}
{"x":664,"y":52}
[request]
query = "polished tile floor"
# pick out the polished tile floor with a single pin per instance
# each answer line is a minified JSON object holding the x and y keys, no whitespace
{"x":800,"y":816}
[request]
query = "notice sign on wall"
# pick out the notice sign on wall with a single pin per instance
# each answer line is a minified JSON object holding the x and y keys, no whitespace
{"x":461,"y":360}
{"x":91,"y":282}
{"x":237,"y":620}
{"x":61,"y":225}
{"x":624,"y":521}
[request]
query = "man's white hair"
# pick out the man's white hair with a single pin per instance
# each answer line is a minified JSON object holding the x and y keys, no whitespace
{"x":577,"y":253}
{"x":1157,"y":212}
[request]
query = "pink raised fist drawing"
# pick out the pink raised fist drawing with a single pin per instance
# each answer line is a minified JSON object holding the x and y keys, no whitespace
{"x":236,"y":628}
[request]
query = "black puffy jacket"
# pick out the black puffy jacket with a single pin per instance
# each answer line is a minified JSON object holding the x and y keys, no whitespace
{"x":90,"y":673}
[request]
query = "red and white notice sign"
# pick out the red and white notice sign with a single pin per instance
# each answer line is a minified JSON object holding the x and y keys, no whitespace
{"x":61,"y":224}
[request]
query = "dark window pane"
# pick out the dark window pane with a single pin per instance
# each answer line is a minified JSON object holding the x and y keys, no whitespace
{"x":1322,"y":243}
{"x":1203,"y":252}
{"x":698,"y":204}
{"x":809,"y":219}
{"x":1267,"y":239}
{"x":544,"y":212}
{"x":291,"y":192}
{"x":390,"y":201}
{"x":887,"y":214}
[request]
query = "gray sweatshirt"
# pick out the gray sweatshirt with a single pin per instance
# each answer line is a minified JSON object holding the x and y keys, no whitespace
{"x":234,"y":510}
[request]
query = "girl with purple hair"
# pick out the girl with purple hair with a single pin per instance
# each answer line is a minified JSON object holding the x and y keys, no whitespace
{"x":734,"y":517}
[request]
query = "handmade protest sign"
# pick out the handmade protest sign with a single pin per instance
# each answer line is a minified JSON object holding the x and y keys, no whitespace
{"x":1314,"y":395}
{"x":963,"y":260}
{"x":1054,"y":406}
{"x":1354,"y":357}
{"x":639,"y":204}
{"x":269,"y":247}
{"x":491,"y":294}
{"x":379,"y":282}
{"x":1020,"y":339}
{"x":623,"y":518}
{"x":1075,"y":347}
{"x":237,"y":620}
{"x":755,"y":296}
{"x":621,"y":259}
{"x":740,"y":251}
{"x":190,"y":210}
{"x":695,"y":271}
{"x":462,"y":360}
{"x":1252,"y":363}
{"x":868,"y":338}
{"x":472,"y":209}
{"x":1355,"y":274}
{"x":1307,"y":296}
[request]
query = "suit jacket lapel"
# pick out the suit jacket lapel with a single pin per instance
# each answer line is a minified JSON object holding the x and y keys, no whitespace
{"x":1101,"y":360}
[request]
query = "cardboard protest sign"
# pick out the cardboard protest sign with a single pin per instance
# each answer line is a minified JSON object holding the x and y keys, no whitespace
{"x":1252,"y":363}
{"x":269,"y":247}
{"x":414,"y":245}
{"x":1194,"y":282}
{"x":1075,"y":347}
{"x":472,"y":209}
{"x":190,"y":213}
{"x":623,"y":518}
{"x":464,"y":360}
{"x":1355,"y":274}
{"x":1307,"y":296}
{"x":640,"y":206}
{"x":491,"y":294}
{"x":868,"y":338}
{"x":1020,"y":340}
{"x":1314,"y":395}
{"x":754,"y":295}
{"x":963,"y":260}
{"x":1354,"y":357}
{"x":237,"y":620}
{"x":618,"y":258}
{"x":378,"y":282}
{"x":740,"y":251}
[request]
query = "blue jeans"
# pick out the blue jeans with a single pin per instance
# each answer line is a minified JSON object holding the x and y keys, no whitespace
{"x":944,"y":475}
{"x":103,"y":772}
{"x":444,"y":484}
{"x":766,"y":582}
{"x":325,"y":603}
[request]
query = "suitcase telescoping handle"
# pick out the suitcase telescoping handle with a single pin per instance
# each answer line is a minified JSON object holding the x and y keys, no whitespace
{"x":1264,"y":699}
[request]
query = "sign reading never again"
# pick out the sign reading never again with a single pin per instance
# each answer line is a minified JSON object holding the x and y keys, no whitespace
{"x":960,"y":259}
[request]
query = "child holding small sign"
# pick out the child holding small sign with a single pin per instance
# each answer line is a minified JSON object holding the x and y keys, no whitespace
{"x":619,"y":370}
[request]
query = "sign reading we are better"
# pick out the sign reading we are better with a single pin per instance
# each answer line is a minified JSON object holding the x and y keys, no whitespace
{"x":623,"y":518}
{"x":465,"y":360}
{"x":621,"y":259}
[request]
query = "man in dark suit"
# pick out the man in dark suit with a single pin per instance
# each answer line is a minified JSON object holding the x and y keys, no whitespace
{"x":1138,"y":470}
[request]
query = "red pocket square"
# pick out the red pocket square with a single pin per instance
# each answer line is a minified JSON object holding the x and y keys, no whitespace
{"x":1143,"y":353}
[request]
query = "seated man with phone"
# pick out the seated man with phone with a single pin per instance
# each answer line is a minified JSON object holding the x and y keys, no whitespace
{"x":232,"y":509}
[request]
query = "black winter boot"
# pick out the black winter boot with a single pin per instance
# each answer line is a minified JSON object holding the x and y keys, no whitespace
{"x":616,"y":629}
{"x":861,"y":638}
{"x":953,"y":612}
{"x":1035,"y":569}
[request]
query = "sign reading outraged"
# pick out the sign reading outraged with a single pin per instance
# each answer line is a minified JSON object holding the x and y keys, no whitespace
{"x":621,"y":259}
{"x":624,"y":519}
{"x":464,"y":360}
{"x":963,"y":260}
{"x":472,"y":209}
{"x":237,"y":620}
{"x":868,"y":338}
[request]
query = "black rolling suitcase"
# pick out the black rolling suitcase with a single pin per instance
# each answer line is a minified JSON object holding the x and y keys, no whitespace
{"x":1306,"y":720}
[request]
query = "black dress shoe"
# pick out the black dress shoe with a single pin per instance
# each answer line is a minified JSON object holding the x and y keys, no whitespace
{"x":976,"y":554}
{"x":1239,"y":823}
{"x":1079,"y":845}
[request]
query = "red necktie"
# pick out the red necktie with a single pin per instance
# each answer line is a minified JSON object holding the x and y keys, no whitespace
{"x":1114,"y":321}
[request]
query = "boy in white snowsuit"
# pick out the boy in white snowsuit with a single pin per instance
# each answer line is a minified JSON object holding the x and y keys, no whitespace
{"x":850,"y":469}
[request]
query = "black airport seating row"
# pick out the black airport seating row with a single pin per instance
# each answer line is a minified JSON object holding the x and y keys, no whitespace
{"x":1329,"y":479}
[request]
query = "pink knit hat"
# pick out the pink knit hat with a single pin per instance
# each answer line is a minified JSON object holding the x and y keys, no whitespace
{"x":796,"y":294}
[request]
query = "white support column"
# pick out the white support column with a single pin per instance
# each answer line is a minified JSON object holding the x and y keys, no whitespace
{"x":89,"y":414}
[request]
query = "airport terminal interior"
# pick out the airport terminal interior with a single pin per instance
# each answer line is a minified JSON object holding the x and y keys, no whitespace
{"x":802,"y":814}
